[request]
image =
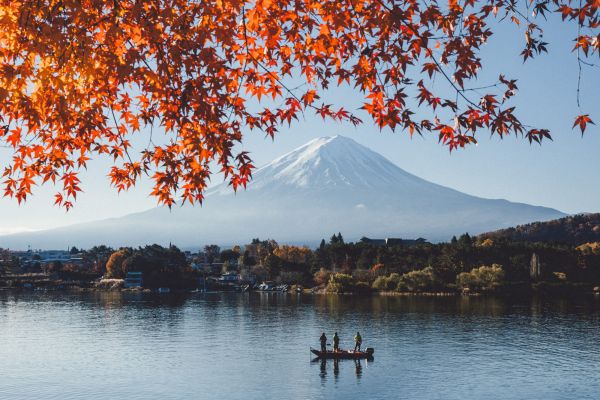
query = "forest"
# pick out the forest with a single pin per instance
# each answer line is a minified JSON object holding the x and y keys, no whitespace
{"x":513,"y":259}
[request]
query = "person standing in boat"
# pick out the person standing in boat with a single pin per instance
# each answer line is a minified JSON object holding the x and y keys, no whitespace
{"x":323,"y":340}
{"x":336,"y":342}
{"x":357,"y":341}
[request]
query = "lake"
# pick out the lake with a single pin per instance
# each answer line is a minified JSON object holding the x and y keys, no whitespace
{"x":256,"y":345}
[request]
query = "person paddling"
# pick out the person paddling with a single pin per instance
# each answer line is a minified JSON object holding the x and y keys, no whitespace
{"x":336,"y":342}
{"x":357,"y":341}
{"x":323,"y":340}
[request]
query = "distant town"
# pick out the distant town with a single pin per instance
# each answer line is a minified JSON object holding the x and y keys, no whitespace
{"x":561,"y":255}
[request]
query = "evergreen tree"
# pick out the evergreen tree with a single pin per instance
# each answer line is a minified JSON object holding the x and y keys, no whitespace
{"x":334,"y":239}
{"x":465,"y":240}
{"x":322,"y":245}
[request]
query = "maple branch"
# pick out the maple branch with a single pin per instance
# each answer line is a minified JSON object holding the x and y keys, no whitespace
{"x":579,"y":61}
{"x":119,"y":134}
{"x":589,"y":64}
{"x":480,"y":88}
{"x":261,"y":64}
{"x":458,"y":90}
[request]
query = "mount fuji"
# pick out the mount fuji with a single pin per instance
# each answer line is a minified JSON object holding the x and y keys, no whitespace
{"x":330,"y":184}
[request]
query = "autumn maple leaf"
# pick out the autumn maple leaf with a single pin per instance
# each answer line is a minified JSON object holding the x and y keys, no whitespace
{"x":582,"y":121}
{"x":80,"y":79}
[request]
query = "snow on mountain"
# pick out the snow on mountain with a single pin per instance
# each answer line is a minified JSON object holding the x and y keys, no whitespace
{"x":327,"y":163}
{"x":331,"y":184}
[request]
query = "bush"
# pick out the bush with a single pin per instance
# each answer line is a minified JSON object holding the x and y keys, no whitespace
{"x":387,"y":283}
{"x":321,"y":277}
{"x":363,"y":275}
{"x":380,"y":283}
{"x":418,"y":281}
{"x":483,"y":278}
{"x":340,"y":283}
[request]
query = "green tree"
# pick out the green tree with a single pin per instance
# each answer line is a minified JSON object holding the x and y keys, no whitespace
{"x":212,"y":252}
{"x":482,"y":278}
{"x":340,"y":283}
{"x":334,"y":239}
{"x":272,"y":265}
{"x":229,"y":255}
{"x":419,"y":281}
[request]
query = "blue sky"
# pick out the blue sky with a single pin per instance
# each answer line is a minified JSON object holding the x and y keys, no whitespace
{"x":562,"y":174}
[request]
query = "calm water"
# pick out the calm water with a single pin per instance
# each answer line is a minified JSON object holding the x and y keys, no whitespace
{"x":251,"y":346}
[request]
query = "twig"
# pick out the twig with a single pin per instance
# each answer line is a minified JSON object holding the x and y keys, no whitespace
{"x":579,"y":61}
{"x":119,"y":135}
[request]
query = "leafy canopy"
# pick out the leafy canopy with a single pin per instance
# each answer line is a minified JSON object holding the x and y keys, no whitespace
{"x":80,"y":78}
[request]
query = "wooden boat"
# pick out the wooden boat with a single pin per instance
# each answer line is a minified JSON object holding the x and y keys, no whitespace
{"x":344,"y":354}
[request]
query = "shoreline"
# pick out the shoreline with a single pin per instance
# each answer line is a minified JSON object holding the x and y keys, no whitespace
{"x":557,"y":290}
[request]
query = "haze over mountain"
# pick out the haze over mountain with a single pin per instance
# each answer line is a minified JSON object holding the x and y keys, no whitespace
{"x":331,"y":184}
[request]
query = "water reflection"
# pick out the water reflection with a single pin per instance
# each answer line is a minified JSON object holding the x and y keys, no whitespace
{"x":69,"y":345}
{"x":336,"y":369}
{"x":358,"y":368}
{"x":323,"y":369}
{"x":335,"y":365}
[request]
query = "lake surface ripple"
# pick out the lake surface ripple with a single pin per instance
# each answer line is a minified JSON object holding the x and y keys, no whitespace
{"x":256,"y":345}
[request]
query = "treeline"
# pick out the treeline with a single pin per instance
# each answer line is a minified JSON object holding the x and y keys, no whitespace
{"x":161,"y":266}
{"x":465,"y":263}
{"x":574,"y":230}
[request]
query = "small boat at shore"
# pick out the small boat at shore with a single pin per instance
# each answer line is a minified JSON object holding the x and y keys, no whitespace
{"x":344,"y":354}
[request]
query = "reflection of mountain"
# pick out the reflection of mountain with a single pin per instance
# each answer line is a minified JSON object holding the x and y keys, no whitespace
{"x":328,"y":185}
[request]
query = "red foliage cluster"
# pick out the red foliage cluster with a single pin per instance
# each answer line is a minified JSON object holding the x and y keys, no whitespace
{"x":81,"y":78}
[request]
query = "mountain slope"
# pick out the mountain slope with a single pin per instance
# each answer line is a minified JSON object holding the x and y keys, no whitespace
{"x":330,"y":184}
{"x":574,"y":230}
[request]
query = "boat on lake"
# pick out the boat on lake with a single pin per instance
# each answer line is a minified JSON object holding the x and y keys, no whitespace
{"x":344,"y":354}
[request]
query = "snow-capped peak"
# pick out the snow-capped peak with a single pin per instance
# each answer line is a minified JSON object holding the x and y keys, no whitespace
{"x":331,"y":184}
{"x":328,"y":162}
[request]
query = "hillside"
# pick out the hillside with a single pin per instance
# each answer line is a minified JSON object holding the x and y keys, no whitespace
{"x":576,"y":229}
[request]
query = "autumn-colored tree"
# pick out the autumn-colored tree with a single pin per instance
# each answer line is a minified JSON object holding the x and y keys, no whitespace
{"x":81,"y":78}
{"x":321,"y":277}
{"x":377,"y":270}
{"x":590,"y":248}
{"x":114,"y":266}
{"x":293,"y":254}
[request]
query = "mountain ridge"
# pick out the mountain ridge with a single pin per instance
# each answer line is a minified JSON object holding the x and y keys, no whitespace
{"x":330,"y":184}
{"x":573,"y":229}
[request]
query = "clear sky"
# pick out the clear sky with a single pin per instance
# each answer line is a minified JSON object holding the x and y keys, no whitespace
{"x":562,"y":174}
